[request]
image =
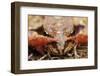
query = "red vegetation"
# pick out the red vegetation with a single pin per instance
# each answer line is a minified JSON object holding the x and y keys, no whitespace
{"x":39,"y":42}
{"x":79,"y":39}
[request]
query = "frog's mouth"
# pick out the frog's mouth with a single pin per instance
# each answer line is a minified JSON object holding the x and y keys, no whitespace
{"x":61,"y":41}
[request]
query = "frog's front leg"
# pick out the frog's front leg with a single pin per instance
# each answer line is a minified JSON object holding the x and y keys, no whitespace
{"x":75,"y":52}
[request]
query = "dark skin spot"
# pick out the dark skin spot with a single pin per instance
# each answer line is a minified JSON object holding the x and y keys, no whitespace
{"x":77,"y":29}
